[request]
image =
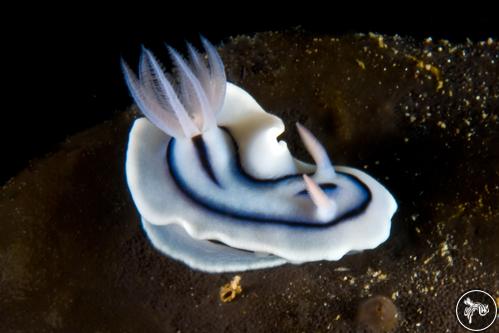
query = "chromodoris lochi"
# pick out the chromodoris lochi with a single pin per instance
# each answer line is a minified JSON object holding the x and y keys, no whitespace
{"x":217,"y":190}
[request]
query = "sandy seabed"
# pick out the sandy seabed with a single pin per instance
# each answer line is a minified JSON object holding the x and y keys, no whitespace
{"x":420,"y":116}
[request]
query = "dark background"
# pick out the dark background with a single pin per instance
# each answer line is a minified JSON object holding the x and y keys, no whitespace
{"x":65,"y":62}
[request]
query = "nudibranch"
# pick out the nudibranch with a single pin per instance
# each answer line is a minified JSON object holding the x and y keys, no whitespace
{"x":215,"y":188}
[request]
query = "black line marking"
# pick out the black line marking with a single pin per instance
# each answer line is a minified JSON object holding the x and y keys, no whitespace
{"x":325,"y":187}
{"x":204,"y":157}
{"x":243,"y":216}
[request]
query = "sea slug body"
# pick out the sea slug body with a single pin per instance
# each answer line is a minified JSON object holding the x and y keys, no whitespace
{"x":217,"y":190}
